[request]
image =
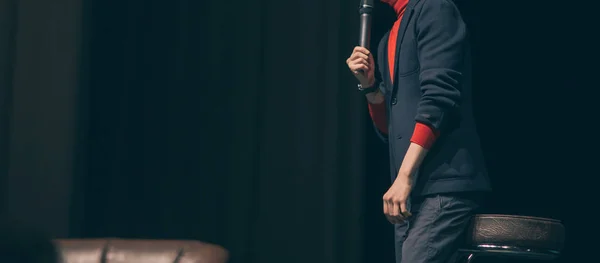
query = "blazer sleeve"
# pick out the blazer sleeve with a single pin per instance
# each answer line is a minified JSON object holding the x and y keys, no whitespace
{"x":381,"y":135}
{"x":441,"y":39}
{"x":381,"y":83}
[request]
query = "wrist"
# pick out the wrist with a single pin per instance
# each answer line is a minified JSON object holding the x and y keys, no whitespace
{"x":405,"y":178}
{"x":375,"y":97}
{"x":404,"y":174}
{"x":368,"y":84}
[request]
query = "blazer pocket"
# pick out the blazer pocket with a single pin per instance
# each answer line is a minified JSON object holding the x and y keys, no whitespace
{"x":408,"y":60}
{"x":412,"y":72}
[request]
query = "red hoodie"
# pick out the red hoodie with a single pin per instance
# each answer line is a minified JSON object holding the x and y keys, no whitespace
{"x":423,"y":135}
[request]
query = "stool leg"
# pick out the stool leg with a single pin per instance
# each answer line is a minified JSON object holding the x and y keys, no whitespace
{"x":470,"y":258}
{"x":465,"y":258}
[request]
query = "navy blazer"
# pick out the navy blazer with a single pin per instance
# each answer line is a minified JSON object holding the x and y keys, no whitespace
{"x":432,"y":85}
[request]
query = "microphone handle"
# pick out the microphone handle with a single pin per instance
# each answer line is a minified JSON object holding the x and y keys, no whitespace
{"x":365,"y":30}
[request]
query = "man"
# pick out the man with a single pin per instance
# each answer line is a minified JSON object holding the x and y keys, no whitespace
{"x":421,"y":106}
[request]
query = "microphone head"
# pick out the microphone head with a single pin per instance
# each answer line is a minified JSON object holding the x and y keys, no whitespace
{"x":367,"y":3}
{"x":366,"y":6}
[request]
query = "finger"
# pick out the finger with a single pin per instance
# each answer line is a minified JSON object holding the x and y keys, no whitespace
{"x":359,"y":62}
{"x":362,"y":50}
{"x":356,"y":68}
{"x":393,"y":217}
{"x":404,"y":211}
{"x":401,"y":205}
{"x":358,"y":59}
{"x":386,"y":212}
{"x":360,"y":65}
{"x":358,"y":56}
{"x":396,"y":213}
{"x":363,"y":67}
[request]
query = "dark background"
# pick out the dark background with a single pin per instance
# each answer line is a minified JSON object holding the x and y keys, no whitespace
{"x":238,"y":123}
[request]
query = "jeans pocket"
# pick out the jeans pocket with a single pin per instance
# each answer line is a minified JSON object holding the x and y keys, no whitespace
{"x":460,"y":201}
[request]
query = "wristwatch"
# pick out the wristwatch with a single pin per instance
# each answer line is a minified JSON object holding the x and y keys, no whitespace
{"x":365,"y":91}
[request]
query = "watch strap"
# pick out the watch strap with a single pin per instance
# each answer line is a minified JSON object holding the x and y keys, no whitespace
{"x":368,"y":90}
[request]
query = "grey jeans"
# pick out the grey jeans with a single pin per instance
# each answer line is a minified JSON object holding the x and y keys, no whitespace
{"x":436,"y":229}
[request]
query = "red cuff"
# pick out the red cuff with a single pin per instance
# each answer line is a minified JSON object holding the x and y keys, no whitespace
{"x":379,"y":116}
{"x":424,"y":135}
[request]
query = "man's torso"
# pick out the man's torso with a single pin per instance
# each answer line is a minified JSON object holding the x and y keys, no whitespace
{"x":455,"y":162}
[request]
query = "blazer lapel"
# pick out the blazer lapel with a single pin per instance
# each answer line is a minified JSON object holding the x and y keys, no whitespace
{"x":383,"y":55}
{"x":410,"y":8}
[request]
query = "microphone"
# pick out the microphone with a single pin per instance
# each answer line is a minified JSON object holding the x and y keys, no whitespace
{"x":366,"y":9}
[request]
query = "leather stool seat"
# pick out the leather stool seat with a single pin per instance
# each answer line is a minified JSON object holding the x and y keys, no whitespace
{"x":139,"y":251}
{"x":514,"y":236}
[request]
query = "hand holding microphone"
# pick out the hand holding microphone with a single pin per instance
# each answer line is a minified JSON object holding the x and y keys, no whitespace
{"x":362,"y":65}
{"x":361,"y":61}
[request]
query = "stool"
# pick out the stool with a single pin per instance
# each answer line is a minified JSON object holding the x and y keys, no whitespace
{"x":519,"y":237}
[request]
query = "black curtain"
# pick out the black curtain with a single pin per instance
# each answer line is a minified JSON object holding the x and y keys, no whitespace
{"x":40,"y":52}
{"x":225,"y":122}
{"x":238,"y":123}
